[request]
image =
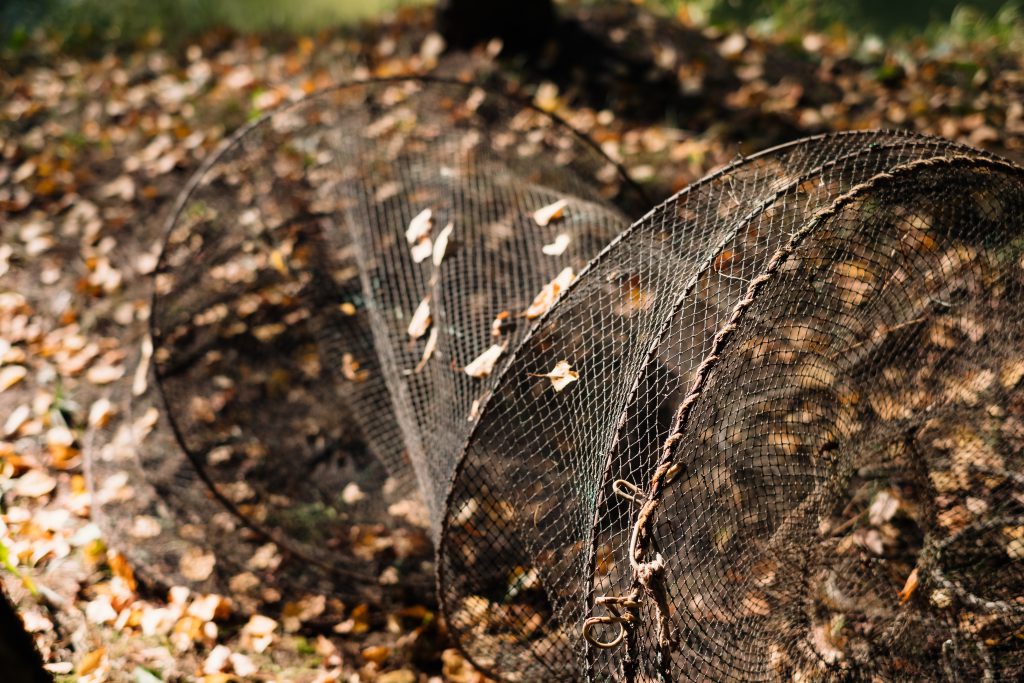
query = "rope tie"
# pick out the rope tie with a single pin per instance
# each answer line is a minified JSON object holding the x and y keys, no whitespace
{"x":622,"y":610}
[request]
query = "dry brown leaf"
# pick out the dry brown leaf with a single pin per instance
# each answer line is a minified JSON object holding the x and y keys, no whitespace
{"x":378,"y":654}
{"x":441,"y":244}
{"x":242,"y":665}
{"x":561,"y":376}
{"x":195,"y":565}
{"x":419,"y":226}
{"x":909,"y":587}
{"x":558,"y":247}
{"x":34,"y":484}
{"x":421,"y":319}
{"x":91,"y":661}
{"x":105,"y":374}
{"x":350,"y":369}
{"x":552,"y":212}
{"x":482,"y":365}
{"x":428,"y":350}
{"x":18,"y":417}
{"x":100,"y":413}
{"x":217,"y":660}
{"x":11,"y":375}
{"x":120,"y":568}
{"x":547,"y":296}
{"x":422,"y":250}
{"x":300,"y":611}
{"x":498,"y":324}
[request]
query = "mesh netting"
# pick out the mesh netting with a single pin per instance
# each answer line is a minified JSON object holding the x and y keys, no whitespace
{"x":770,"y":431}
{"x":800,"y":374}
{"x":295,"y":411}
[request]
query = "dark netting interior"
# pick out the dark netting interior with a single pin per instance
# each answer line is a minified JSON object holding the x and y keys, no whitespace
{"x":313,"y":318}
{"x":772,"y":430}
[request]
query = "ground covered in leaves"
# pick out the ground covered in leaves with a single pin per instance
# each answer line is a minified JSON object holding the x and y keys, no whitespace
{"x":93,"y":151}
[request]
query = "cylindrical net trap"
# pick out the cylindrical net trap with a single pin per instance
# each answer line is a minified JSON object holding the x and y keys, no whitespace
{"x":770,"y":431}
{"x":792,"y":450}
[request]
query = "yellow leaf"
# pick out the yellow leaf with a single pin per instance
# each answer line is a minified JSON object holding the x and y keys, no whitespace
{"x":91,"y":661}
{"x":378,"y":654}
{"x":277,"y":260}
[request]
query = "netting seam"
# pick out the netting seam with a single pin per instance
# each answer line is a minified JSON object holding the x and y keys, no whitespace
{"x":814,"y":171}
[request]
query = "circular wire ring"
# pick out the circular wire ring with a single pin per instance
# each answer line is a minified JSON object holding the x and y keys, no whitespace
{"x":588,"y":631}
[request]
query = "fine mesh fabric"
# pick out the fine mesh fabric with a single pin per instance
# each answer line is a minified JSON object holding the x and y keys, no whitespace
{"x":771,"y":431}
{"x":801,"y":374}
{"x":291,"y":415}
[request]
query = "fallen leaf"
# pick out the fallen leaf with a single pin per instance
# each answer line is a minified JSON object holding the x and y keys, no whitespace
{"x":428,"y":350}
{"x":419,"y":226}
{"x":420,"y":319}
{"x":909,"y":587}
{"x":242,"y":665}
{"x":140,"y":380}
{"x":883,"y":508}
{"x":482,"y":365}
{"x":558,"y":247}
{"x":561,"y":376}
{"x":350,"y":369}
{"x":378,"y":654}
{"x":422,"y":250}
{"x":120,"y":568}
{"x":11,"y":375}
{"x":552,"y":212}
{"x":398,"y":676}
{"x":217,"y":660}
{"x":100,"y":413}
{"x":352,"y":494}
{"x":441,"y":244}
{"x":278,"y":262}
{"x":499,"y":323}
{"x":195,"y":565}
{"x":100,"y":611}
{"x":300,"y":611}
{"x":547,"y":296}
{"x":34,"y":484}
{"x":91,"y":661}
{"x":18,"y":417}
{"x":105,"y":374}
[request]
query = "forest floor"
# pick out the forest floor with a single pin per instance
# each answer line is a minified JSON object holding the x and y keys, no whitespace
{"x":93,"y":152}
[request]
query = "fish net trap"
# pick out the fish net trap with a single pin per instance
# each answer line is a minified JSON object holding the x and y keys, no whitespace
{"x":770,"y":431}
{"x":317,"y":303}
